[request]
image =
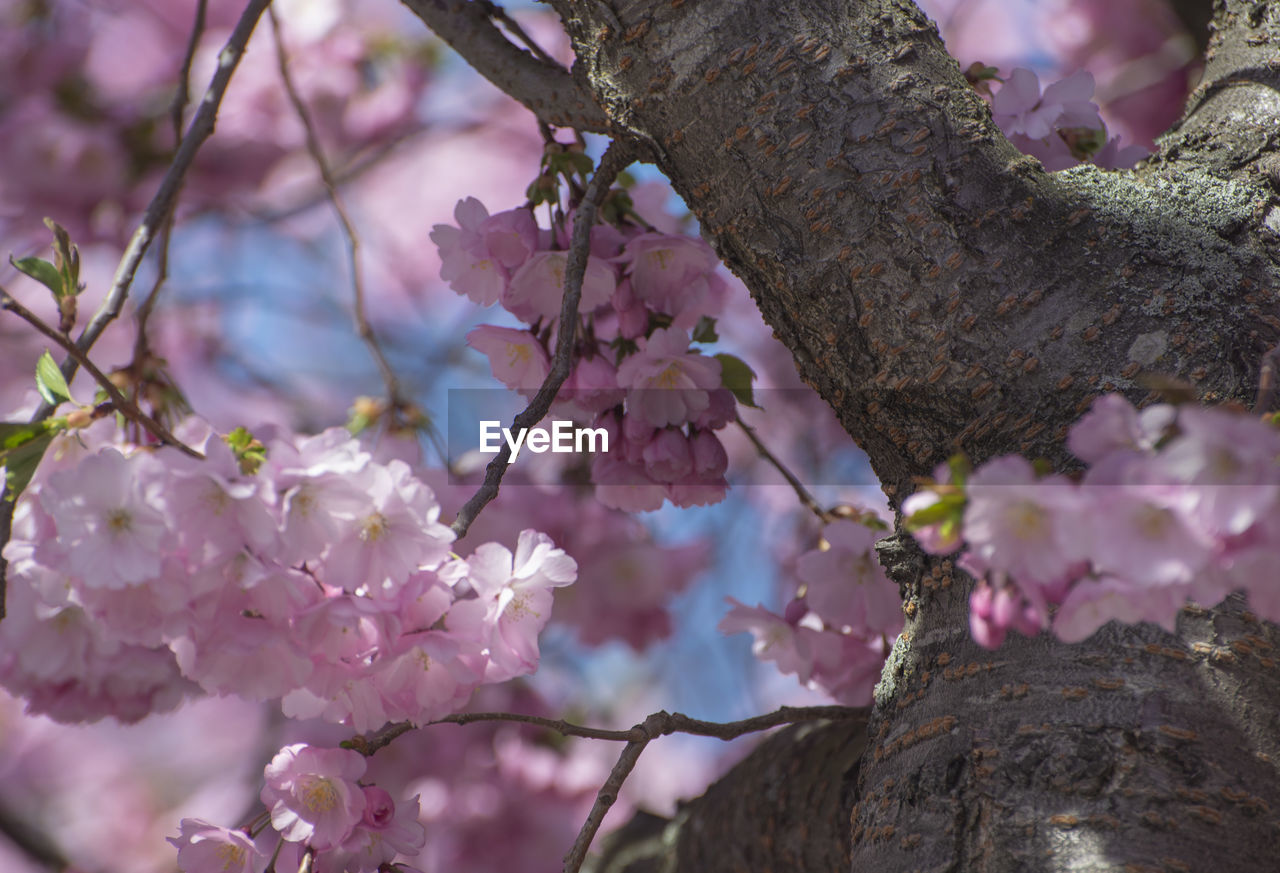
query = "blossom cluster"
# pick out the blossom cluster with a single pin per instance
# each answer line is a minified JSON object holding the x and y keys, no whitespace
{"x":1179,"y":504}
{"x":318,"y":806}
{"x":645,"y":295}
{"x":1061,"y":126}
{"x":835,"y":634}
{"x":299,"y":568}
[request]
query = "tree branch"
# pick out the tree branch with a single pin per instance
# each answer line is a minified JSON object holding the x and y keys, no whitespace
{"x":200,"y":129}
{"x":34,"y":843}
{"x":125,"y":405}
{"x":663,"y":722}
{"x":897,"y":242}
{"x":176,"y":111}
{"x":546,"y":88}
{"x":615,"y":158}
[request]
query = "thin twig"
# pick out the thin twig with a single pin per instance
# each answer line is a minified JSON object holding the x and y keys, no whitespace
{"x":176,"y":111}
{"x":34,"y":843}
{"x":548,"y":89}
{"x":122,"y":403}
{"x":660,"y":724}
{"x":605,"y":797}
{"x":162,"y":203}
{"x":616,"y":157}
{"x":499,"y":14}
{"x":395,"y":399}
{"x":665,"y":722}
{"x":801,"y":492}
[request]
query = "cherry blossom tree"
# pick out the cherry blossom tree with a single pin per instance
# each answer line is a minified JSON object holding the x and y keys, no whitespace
{"x":1034,"y":286}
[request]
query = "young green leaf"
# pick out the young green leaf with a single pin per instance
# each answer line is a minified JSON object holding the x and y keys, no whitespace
{"x":42,"y":271}
{"x":50,"y":382}
{"x":737,"y":377}
{"x":705,"y":330}
{"x":950,"y":506}
{"x":22,"y":446}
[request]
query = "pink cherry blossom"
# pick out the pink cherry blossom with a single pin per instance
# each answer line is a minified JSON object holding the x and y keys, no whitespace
{"x":207,"y":848}
{"x":1019,"y":107}
{"x":386,"y":830}
{"x":847,"y":586}
{"x":1142,"y":534}
{"x":537,"y":288}
{"x":431,"y":673}
{"x":217,"y":507}
{"x":774,"y":638}
{"x":394,"y":534}
{"x":1014,"y":522}
{"x":669,"y":273}
{"x":1114,"y":156}
{"x":1113,"y":425}
{"x":465,"y":262}
{"x":592,"y":386}
{"x":514,"y":599}
{"x":668,"y":384}
{"x":509,"y":237}
{"x":994,"y":611}
{"x":516,"y":357}
{"x":619,"y":475}
{"x":312,"y":794}
{"x":1091,"y":603}
{"x":668,"y":457}
{"x":110,"y":516}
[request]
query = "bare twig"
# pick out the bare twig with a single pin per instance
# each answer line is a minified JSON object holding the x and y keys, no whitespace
{"x":181,"y":96}
{"x":801,"y":492}
{"x":497,"y":13}
{"x":395,"y":399}
{"x":605,"y":797}
{"x":546,"y":88}
{"x":616,"y":157}
{"x":664,"y":722}
{"x":34,"y":843}
{"x":659,"y":724}
{"x":122,"y":403}
{"x":162,"y":203}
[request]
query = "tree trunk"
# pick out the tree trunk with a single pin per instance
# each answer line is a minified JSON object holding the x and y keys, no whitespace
{"x":942,"y":292}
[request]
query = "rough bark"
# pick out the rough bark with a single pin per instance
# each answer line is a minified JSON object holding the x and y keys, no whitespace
{"x":943,"y":292}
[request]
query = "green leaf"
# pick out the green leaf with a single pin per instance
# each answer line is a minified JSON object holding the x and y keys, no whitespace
{"x":948,"y":507}
{"x":50,"y":382}
{"x":23,"y":447}
{"x":960,"y":469}
{"x":582,"y":163}
{"x":705,"y":331}
{"x":15,"y":433}
{"x":737,"y":377}
{"x":248,"y":450}
{"x":43,"y":272}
